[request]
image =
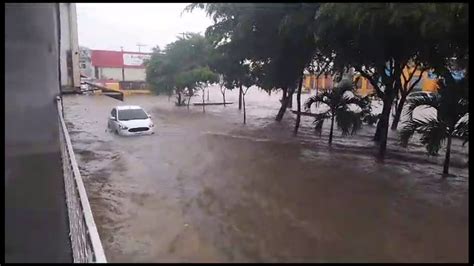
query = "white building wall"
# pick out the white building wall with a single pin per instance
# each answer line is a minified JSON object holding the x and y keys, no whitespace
{"x":135,"y":74}
{"x":85,"y":60}
{"x":65,"y":43}
{"x":69,"y":48}
{"x":131,"y":74}
{"x":76,"y":74}
{"x":110,"y":73}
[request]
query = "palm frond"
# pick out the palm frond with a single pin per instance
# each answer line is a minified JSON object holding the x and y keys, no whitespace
{"x":433,"y":135}
{"x":432,"y":132}
{"x":347,"y":121}
{"x":365,"y":103}
{"x":408,"y":130}
{"x":422,"y":101}
{"x":370,"y":118}
{"x":190,"y":8}
{"x":316,"y":100}
{"x":462,"y":130}
{"x":351,"y":100}
{"x":452,"y":106}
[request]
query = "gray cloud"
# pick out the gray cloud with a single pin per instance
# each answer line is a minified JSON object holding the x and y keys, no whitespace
{"x":109,"y":26}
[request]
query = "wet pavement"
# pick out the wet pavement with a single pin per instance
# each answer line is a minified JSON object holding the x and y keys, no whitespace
{"x":206,"y":188}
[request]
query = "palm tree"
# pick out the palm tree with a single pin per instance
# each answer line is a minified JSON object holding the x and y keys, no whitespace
{"x":338,"y":101}
{"x":451,"y":120}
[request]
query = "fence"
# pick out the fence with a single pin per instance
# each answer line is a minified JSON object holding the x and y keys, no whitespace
{"x":85,"y":241}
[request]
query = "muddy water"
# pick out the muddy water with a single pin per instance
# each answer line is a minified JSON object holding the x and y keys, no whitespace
{"x":206,"y":188}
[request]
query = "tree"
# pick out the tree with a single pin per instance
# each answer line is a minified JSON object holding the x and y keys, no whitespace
{"x":227,"y":65}
{"x":249,"y":77}
{"x":320,"y":65}
{"x":181,"y":68}
{"x":275,"y":36}
{"x":338,"y":101}
{"x":443,"y":32}
{"x":408,"y":83}
{"x":162,"y":83}
{"x":378,"y":40}
{"x":222,"y":88}
{"x":451,"y":120}
{"x":203,"y":78}
{"x":298,"y":102}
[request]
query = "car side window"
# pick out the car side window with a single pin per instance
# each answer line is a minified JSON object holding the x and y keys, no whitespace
{"x":114,"y":113}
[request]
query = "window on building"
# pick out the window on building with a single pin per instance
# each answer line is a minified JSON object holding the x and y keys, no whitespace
{"x":82,"y":65}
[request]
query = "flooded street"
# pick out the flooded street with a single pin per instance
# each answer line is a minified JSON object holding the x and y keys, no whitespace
{"x":206,"y":188}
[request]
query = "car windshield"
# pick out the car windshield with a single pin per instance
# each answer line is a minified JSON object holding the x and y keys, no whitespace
{"x":131,"y":114}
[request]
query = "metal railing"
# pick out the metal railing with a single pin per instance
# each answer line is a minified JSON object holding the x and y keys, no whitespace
{"x":85,"y":240}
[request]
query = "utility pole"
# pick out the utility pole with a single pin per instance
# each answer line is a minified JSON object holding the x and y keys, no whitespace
{"x":140,"y":45}
{"x":123,"y":69}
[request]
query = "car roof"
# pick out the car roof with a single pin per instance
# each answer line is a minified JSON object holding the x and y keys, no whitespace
{"x":124,"y":107}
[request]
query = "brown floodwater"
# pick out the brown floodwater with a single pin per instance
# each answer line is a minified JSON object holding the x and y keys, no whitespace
{"x":206,"y":188}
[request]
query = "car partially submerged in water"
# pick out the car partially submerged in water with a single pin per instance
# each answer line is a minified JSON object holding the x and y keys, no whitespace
{"x":127,"y":120}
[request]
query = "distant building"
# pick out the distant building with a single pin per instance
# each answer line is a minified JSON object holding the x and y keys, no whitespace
{"x":85,"y":62}
{"x":118,"y":65}
{"x":428,"y":81}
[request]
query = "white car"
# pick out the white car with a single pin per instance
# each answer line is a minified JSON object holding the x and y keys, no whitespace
{"x":127,"y":120}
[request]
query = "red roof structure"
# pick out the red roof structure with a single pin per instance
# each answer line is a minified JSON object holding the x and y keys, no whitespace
{"x":104,"y":58}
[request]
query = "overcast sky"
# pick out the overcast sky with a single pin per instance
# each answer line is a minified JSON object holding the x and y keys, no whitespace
{"x":109,"y":26}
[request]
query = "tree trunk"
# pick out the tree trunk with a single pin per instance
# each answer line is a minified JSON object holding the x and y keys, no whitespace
{"x":290,"y":98}
{"x":332,"y":128}
{"x":203,"y":92}
{"x":383,"y":119}
{"x":398,"y":113}
{"x":284,"y":104}
{"x":395,"y":107}
{"x":245,"y":113}
{"x":240,"y":97}
{"x":179,"y":98}
{"x":378,"y":130}
{"x":223,"y":97}
{"x":298,"y":102}
{"x":448,"y":156}
{"x":383,"y":130}
{"x":316,"y":86}
{"x":189,"y":99}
